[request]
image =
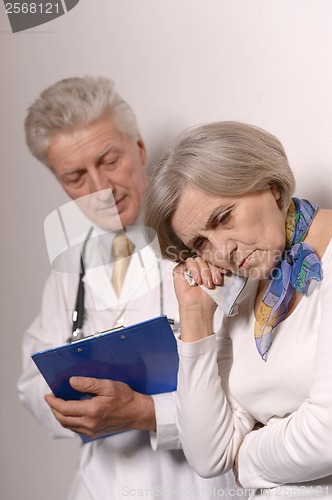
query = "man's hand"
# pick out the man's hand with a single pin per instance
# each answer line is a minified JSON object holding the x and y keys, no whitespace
{"x":115,"y":407}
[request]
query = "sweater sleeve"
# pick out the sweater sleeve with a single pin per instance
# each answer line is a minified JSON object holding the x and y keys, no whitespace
{"x":211,"y":425}
{"x":297,"y":448}
{"x":167,"y":436}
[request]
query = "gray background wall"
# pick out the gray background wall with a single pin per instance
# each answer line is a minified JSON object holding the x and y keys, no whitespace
{"x":266,"y":62}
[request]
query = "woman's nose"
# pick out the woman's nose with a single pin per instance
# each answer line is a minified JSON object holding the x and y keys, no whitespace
{"x":222,"y":251}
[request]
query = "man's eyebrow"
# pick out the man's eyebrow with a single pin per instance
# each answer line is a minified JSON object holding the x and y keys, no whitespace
{"x":72,"y":171}
{"x":100,"y":156}
{"x":105,"y":151}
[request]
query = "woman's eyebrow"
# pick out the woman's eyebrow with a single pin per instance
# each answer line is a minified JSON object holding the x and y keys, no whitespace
{"x":213,"y":217}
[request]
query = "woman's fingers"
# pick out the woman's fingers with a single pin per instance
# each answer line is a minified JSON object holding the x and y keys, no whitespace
{"x":217,"y":275}
{"x":202,"y":272}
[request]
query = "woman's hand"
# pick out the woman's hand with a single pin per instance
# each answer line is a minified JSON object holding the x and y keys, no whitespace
{"x":195,"y":306}
{"x":256,"y":427}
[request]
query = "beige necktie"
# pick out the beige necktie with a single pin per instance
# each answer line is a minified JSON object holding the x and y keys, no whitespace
{"x":122,"y":249}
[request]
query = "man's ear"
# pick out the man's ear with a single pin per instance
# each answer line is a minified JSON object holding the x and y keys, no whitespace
{"x":142,"y":150}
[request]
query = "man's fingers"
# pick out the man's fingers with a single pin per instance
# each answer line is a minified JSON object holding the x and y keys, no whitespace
{"x":66,"y":408}
{"x":75,"y":424}
{"x":99,"y":387}
{"x":71,"y":415}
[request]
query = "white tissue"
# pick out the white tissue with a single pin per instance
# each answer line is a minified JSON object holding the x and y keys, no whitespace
{"x":224,"y":295}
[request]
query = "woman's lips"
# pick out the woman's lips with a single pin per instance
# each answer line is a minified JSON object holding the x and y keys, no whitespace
{"x":246,"y":262}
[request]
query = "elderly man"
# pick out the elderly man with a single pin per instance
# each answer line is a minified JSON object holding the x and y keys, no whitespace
{"x":88,"y":136}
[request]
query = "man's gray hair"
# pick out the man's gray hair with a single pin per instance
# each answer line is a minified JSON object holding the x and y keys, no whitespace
{"x":73,"y":103}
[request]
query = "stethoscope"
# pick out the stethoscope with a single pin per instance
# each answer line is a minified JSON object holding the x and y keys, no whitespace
{"x":79,"y":313}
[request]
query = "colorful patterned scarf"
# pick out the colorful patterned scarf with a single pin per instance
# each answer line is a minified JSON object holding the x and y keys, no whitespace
{"x":299,"y":265}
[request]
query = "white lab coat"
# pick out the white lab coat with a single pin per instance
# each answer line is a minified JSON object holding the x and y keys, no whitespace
{"x":133,"y":463}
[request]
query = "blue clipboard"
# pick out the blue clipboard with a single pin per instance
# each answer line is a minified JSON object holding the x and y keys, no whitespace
{"x":143,"y":355}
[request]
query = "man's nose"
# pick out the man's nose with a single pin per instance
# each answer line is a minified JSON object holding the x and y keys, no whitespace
{"x":101,"y":185}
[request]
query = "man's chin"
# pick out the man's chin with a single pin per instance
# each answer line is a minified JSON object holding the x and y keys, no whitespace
{"x":115,"y":223}
{"x":107,"y":223}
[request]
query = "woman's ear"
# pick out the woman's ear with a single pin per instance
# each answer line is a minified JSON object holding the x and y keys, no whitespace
{"x":276,"y":192}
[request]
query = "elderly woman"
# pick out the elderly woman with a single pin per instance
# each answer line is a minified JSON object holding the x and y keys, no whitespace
{"x":257,"y":393}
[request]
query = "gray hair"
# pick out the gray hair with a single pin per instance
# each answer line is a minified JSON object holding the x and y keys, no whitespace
{"x":223,"y":158}
{"x":73,"y":103}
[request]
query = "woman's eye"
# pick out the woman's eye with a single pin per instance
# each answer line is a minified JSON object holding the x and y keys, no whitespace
{"x":224,"y":217}
{"x":199,"y":244}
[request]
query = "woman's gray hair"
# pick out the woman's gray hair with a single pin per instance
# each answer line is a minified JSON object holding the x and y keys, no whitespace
{"x":73,"y":103}
{"x":223,"y":158}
